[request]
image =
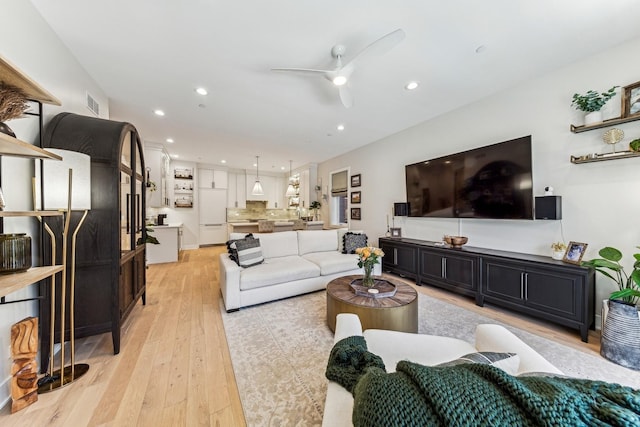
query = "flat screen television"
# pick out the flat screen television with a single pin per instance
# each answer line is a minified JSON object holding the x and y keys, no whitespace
{"x":489,"y":182}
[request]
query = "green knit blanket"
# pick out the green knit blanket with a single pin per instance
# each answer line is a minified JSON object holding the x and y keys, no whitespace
{"x":472,"y":394}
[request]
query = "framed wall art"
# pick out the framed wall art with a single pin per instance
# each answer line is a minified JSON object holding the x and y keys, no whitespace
{"x":355,"y":180}
{"x":355,"y":197}
{"x":631,"y":100}
{"x":574,"y":253}
{"x":356,"y":214}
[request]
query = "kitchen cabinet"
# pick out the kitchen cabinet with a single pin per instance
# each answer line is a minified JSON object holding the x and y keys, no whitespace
{"x":157,"y":161}
{"x":308,"y":176}
{"x":212,"y":178}
{"x":169,"y":247}
{"x":110,"y":257}
{"x":236,"y":190}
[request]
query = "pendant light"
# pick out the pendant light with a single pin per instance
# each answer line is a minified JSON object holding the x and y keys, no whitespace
{"x":291,"y":191}
{"x":257,"y":187}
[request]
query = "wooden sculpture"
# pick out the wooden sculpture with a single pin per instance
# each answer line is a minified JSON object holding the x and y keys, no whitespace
{"x":24,"y":370}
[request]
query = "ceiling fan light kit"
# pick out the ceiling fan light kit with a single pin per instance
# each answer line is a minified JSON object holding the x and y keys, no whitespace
{"x":341,"y":74}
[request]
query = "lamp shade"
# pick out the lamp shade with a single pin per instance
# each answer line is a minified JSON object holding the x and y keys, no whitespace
{"x":257,"y":189}
{"x":55,"y":181}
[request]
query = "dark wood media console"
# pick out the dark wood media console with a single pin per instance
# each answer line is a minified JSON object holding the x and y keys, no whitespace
{"x":531,"y":284}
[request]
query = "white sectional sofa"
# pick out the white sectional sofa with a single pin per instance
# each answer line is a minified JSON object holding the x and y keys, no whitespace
{"x":295,"y":262}
{"x":430,"y":350}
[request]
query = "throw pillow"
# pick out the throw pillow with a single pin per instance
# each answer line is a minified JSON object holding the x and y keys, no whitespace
{"x":232,"y":250}
{"x":508,"y":362}
{"x":249,"y":252}
{"x":353,"y":241}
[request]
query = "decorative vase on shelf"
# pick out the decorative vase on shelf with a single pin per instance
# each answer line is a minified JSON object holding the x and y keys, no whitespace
{"x":558,"y":255}
{"x":593,"y":118}
{"x":620,"y":341}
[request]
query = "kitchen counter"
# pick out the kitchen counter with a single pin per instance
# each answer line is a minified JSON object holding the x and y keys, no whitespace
{"x":169,"y":247}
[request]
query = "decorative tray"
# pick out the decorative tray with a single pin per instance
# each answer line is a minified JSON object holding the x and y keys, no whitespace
{"x":381,"y":288}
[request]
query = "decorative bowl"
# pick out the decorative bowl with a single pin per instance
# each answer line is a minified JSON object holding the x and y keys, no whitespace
{"x":455,"y":241}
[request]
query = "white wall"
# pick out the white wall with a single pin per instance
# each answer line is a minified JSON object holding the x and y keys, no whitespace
{"x":601,"y":200}
{"x":30,"y":44}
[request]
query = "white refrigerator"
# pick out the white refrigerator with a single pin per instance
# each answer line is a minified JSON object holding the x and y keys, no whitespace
{"x":213,"y":216}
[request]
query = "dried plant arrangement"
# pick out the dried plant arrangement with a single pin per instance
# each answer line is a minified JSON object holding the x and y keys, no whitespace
{"x":13,"y":102}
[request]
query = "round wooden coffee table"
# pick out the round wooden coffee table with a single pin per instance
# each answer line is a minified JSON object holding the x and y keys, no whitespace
{"x":397,"y":313}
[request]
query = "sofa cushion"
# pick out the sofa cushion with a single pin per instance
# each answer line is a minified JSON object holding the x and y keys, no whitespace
{"x":249,"y":252}
{"x":332,"y":262}
{"x":353,"y":241}
{"x":317,"y":241}
{"x":508,"y":362}
{"x":277,"y":270}
{"x":275,"y":245}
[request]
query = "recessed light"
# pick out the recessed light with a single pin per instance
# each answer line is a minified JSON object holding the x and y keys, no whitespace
{"x":340,"y":127}
{"x":481,"y":48}
{"x":158,"y":112}
{"x":174,"y":156}
{"x":170,"y":140}
{"x":201,"y":91}
{"x":223,"y":161}
{"x":411,"y":85}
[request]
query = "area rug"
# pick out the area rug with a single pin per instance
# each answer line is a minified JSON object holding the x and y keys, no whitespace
{"x":279,"y":352}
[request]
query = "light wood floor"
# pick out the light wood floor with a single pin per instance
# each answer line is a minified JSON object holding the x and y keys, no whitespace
{"x":174,"y":368}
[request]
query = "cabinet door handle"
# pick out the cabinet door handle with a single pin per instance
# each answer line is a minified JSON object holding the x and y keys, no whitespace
{"x":213,"y":184}
{"x":522,"y":285}
{"x":395,"y":255}
{"x":444,"y":268}
{"x":526,"y":286}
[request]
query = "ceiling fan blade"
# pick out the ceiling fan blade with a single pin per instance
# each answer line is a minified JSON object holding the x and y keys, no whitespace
{"x":303,"y":70}
{"x":380,"y":46}
{"x":345,"y":96}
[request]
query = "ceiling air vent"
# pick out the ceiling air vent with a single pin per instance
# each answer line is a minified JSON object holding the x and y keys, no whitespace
{"x":93,"y":105}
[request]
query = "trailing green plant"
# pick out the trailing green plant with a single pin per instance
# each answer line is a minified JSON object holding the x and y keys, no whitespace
{"x":635,"y":145}
{"x":149,"y":239}
{"x":609,"y":266}
{"x":592,"y":100}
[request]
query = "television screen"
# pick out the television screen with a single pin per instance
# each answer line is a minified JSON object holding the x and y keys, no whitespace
{"x":488,"y":182}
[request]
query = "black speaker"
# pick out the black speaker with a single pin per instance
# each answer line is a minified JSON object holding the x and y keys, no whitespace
{"x":548,"y":207}
{"x":400,"y":209}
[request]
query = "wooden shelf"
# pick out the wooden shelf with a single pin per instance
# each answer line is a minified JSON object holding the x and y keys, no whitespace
{"x":603,"y":157}
{"x":10,"y":146}
{"x":604,"y":124}
{"x":5,"y":214}
{"x":11,"y":75}
{"x":12,"y":282}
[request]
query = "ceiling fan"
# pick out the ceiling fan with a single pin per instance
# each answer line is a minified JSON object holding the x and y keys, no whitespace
{"x":341,"y":74}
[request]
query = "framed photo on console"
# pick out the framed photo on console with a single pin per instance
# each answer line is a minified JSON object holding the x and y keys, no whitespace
{"x":396,"y":232}
{"x":574,"y":253}
{"x":631,"y":100}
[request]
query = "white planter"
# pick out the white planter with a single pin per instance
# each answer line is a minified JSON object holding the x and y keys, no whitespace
{"x":592,"y":118}
{"x":558,"y":255}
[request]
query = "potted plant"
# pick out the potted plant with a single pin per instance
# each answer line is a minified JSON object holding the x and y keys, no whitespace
{"x":591,"y":103}
{"x":635,"y":145}
{"x":620,"y":340}
{"x":315,"y":205}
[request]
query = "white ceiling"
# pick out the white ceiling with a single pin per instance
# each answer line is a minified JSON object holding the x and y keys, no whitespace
{"x":149,"y":54}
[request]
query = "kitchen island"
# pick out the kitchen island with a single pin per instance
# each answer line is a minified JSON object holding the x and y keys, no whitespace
{"x":169,"y":238}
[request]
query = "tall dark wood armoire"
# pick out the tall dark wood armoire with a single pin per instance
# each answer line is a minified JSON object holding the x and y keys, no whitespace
{"x":110,"y":254}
